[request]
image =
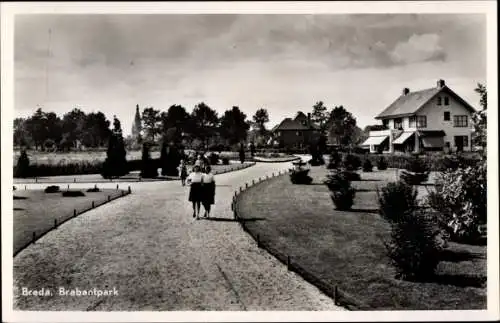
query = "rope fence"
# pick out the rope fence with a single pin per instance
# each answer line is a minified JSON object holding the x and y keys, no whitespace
{"x":341,"y":298}
{"x":57,"y":222}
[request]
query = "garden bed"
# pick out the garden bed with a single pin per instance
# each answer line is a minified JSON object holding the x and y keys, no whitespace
{"x":280,"y":159}
{"x":36,"y":211}
{"x":345,"y":248}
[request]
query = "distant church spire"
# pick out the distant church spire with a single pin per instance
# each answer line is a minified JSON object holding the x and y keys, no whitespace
{"x":137,"y":126}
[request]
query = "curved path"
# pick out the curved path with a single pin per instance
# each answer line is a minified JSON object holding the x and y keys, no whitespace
{"x":148,"y":247}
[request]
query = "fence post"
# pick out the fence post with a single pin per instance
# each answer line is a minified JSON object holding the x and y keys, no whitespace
{"x":74,"y":212}
{"x":36,"y":179}
{"x":68,"y":187}
{"x":55,"y":223}
{"x":246,"y":185}
{"x":109,"y":198}
{"x":258,"y":241}
{"x":116,"y":186}
{"x":92,"y":204}
{"x":335,"y":295}
{"x":288,"y":262}
{"x":74,"y":180}
{"x":241,"y":189}
{"x":253,"y":181}
{"x":34,"y":237}
{"x":129,"y":190}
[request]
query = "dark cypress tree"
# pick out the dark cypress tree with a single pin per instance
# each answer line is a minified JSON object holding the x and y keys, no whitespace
{"x":148,"y":166}
{"x":242,"y":153}
{"x":115,"y":164}
{"x":23,"y":165}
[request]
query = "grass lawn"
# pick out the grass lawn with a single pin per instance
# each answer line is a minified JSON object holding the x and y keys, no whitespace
{"x":345,"y":249}
{"x":36,"y":211}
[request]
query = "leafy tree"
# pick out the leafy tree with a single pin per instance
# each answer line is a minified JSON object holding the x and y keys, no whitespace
{"x":21,"y":135}
{"x":320,"y":115}
{"x":73,"y":124}
{"x":37,"y":128}
{"x":479,"y":117}
{"x":204,"y":122}
{"x":152,"y":122}
{"x":115,"y":164}
{"x":260,"y":118}
{"x":342,"y":126}
{"x":175,"y":117}
{"x":95,"y":130}
{"x":234,"y":126}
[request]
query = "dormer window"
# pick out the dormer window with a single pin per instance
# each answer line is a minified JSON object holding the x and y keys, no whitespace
{"x":439,"y":101}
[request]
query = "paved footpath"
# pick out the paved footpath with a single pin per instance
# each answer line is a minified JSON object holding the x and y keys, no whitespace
{"x":148,"y":246}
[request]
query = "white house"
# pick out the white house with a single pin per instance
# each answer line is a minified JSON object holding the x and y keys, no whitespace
{"x":427,"y":120}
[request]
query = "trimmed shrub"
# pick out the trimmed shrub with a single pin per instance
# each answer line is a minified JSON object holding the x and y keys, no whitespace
{"x":115,"y":164}
{"x":170,"y":159}
{"x":93,"y":189}
{"x":336,"y":181}
{"x":73,"y":193}
{"x":343,"y":198}
{"x":417,"y":165}
{"x":414,"y":248}
{"x":23,"y":165}
{"x":300,"y":176}
{"x":213,"y":159}
{"x":335,"y":160}
{"x":148,"y":167}
{"x":52,"y":189}
{"x":352,"y":162}
{"x":367,"y":166}
{"x":225,"y":161}
{"x":381,"y":164}
{"x":351,"y":176}
{"x":411,"y":178}
{"x":396,"y":199}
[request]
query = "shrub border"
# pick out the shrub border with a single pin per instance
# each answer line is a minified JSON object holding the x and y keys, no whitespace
{"x":34,"y":180}
{"x":291,"y":158}
{"x":339,"y":297}
{"x":76,"y":213}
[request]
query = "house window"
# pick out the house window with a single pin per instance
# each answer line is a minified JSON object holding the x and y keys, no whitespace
{"x":398,"y":123}
{"x":413,"y":122}
{"x":421,"y":121}
{"x":461,"y":141}
{"x":385,"y":123}
{"x":446,"y":101}
{"x":447,"y":116}
{"x":460,"y":121}
{"x":439,"y":101}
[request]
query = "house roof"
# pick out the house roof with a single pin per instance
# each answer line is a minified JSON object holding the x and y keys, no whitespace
{"x":410,"y":103}
{"x":289,"y":124}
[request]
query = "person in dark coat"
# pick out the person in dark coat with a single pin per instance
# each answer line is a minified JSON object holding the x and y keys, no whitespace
{"x":195,"y":180}
{"x":208,"y":190}
{"x":183,"y":172}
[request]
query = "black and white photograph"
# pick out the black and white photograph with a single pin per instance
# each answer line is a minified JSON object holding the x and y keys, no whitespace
{"x":204,"y":161}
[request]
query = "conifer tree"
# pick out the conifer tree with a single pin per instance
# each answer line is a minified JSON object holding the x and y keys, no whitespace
{"x":115,"y":164}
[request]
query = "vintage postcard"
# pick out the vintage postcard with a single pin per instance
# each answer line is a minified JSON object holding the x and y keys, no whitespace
{"x":249,"y":161}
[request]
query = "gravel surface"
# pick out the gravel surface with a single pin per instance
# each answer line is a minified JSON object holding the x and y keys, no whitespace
{"x":148,"y":247}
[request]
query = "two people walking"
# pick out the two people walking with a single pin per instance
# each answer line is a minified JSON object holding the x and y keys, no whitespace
{"x":202,"y":189}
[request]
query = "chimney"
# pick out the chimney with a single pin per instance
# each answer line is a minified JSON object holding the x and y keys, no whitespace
{"x":309,"y":118}
{"x":440,"y":83}
{"x":406,"y":91}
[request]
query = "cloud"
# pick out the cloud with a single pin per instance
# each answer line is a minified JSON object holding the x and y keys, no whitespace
{"x":418,"y":48}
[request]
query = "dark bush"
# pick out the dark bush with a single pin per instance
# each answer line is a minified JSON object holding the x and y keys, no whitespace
{"x":73,"y":193}
{"x":395,"y":199}
{"x":317,"y":156}
{"x":225,"y":161}
{"x":381,"y":164}
{"x":417,"y":165}
{"x":300,"y":176}
{"x":115,"y":164}
{"x":93,"y":189}
{"x":336,"y":181}
{"x":351,"y":176}
{"x":52,"y":189}
{"x":148,"y":167}
{"x":213,"y":159}
{"x":414,"y":249}
{"x":170,"y":159}
{"x":335,"y":160}
{"x":352,"y":162}
{"x":411,"y":178}
{"x":367,"y":166}
{"x":343,"y":198}
{"x":23,"y":165}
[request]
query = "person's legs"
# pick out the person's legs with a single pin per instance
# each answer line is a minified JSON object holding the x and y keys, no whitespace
{"x":194,"y":209}
{"x":197,"y":209}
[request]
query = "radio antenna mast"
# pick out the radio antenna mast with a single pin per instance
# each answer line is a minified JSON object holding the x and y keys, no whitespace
{"x":47,"y":69}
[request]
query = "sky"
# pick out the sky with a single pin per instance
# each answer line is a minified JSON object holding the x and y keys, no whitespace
{"x":283,"y":63}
